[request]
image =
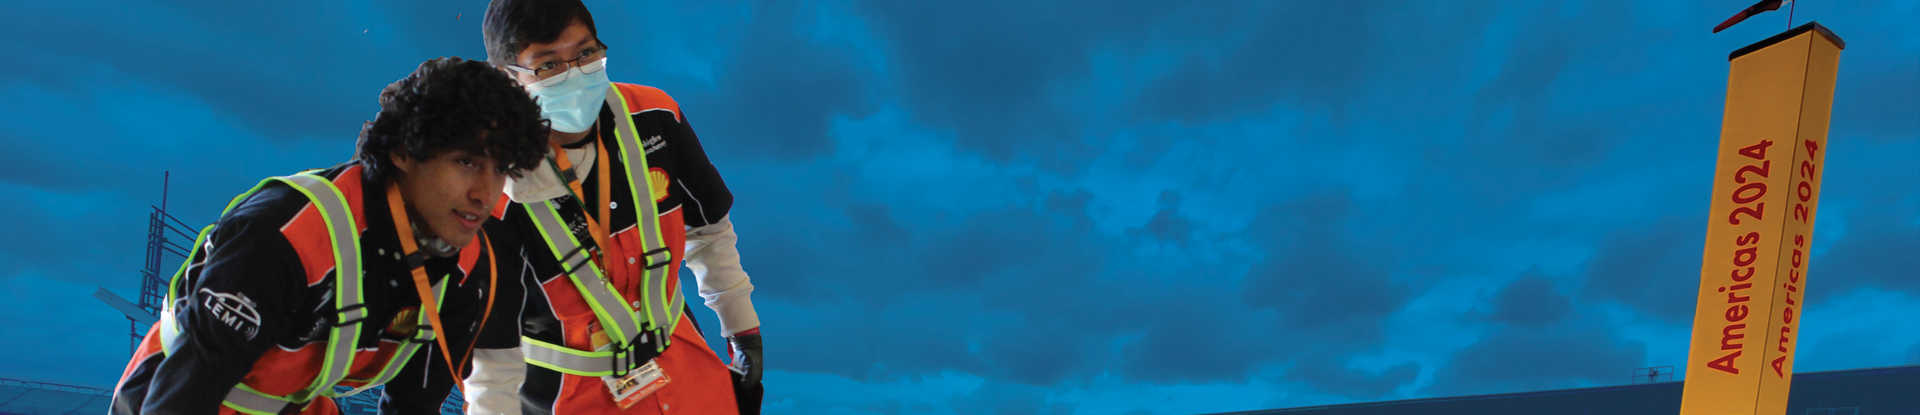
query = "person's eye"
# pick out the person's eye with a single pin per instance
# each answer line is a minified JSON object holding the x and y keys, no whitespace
{"x":467,"y":162}
{"x":545,"y":67}
{"x":589,"y":52}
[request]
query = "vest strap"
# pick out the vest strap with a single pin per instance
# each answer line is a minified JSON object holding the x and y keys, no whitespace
{"x":647,"y":321}
{"x":349,"y":301}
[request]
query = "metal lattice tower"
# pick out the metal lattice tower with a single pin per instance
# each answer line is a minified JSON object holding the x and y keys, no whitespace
{"x":162,"y":246}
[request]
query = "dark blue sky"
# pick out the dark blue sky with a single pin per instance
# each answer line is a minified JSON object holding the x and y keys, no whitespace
{"x":1055,"y":207}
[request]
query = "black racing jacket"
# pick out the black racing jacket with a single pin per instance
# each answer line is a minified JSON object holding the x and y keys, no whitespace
{"x":249,"y":267}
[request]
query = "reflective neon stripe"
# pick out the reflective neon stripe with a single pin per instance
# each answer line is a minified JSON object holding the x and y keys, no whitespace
{"x":662,"y":304}
{"x":349,"y":300}
{"x":423,"y":334}
{"x":567,"y":360}
{"x":613,"y":313}
{"x":247,"y":400}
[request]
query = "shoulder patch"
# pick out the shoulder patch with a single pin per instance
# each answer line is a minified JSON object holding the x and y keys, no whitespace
{"x":642,"y":98}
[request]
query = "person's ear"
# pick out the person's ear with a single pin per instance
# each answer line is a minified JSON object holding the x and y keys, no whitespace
{"x":401,"y":162}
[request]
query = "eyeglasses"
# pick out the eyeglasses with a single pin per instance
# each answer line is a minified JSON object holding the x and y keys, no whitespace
{"x":591,"y":59}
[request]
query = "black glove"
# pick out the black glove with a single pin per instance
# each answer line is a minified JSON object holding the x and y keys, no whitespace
{"x":746,"y":371}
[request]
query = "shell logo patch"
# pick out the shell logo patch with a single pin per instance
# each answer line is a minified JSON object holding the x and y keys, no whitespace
{"x":657,"y":179}
{"x":405,"y":323}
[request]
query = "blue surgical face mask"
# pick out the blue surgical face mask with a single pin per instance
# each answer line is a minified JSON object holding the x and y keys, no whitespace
{"x":571,"y":100}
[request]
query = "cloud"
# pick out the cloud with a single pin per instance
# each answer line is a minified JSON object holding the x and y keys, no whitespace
{"x":1346,"y":381}
{"x":780,"y":85}
{"x":1314,"y":303}
{"x":1316,"y":276}
{"x":1310,"y":54}
{"x":93,"y":346}
{"x":1531,"y":359}
{"x":1856,"y":329}
{"x":1004,"y":398}
{"x":1654,"y":268}
{"x":73,"y":237}
{"x":885,"y":313}
{"x":1874,"y":104}
{"x":1860,"y":227}
{"x":241,"y":65}
{"x":1531,"y":301}
{"x":986,"y":69}
{"x":1871,"y":255}
{"x":789,"y":391}
{"x":1189,"y":344}
{"x":1168,"y":224}
{"x":1537,"y":354}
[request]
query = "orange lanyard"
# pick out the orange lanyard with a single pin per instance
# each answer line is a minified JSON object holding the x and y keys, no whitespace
{"x":493,"y":279}
{"x":420,"y":286}
{"x":600,"y":167}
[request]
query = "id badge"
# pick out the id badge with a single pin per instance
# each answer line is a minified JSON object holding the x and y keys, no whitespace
{"x":596,"y":338}
{"x":636,"y":385}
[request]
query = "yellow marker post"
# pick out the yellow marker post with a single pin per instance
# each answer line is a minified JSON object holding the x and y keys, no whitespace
{"x":1766,"y":186}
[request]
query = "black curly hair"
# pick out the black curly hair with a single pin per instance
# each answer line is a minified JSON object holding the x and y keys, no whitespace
{"x":451,"y":104}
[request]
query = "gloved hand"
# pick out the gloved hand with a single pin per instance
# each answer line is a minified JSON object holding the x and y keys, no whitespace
{"x":747,"y":370}
{"x":746,"y":355}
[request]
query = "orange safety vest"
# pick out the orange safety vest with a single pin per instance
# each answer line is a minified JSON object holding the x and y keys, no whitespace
{"x":326,"y":233}
{"x":652,"y":317}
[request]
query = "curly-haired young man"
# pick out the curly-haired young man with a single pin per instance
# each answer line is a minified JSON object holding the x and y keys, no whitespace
{"x":374,"y":271}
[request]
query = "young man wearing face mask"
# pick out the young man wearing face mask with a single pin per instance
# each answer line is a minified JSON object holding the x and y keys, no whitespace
{"x":626,"y":196}
{"x":374,"y":271}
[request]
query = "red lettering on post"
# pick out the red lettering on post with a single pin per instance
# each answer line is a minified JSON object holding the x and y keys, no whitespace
{"x":1750,"y":192}
{"x":1730,"y":336}
{"x":1734,"y":295}
{"x":1725,"y":363}
{"x":1744,"y":256}
{"x":1755,"y":212}
{"x":1758,"y":151}
{"x":1747,"y":199}
{"x":1737,"y":276}
{"x":1739,"y":175}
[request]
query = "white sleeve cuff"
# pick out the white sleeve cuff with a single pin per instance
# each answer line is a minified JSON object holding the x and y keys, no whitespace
{"x":494,"y":386}
{"x":723,"y":283}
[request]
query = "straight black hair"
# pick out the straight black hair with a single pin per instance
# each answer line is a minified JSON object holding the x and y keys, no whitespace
{"x":510,"y":25}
